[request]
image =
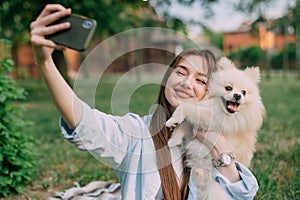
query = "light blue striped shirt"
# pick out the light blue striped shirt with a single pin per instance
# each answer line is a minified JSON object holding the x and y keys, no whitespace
{"x":125,"y":143}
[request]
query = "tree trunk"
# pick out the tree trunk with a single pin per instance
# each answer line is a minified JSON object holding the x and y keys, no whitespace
{"x":285,"y":50}
{"x":298,"y":49}
{"x":297,"y":33}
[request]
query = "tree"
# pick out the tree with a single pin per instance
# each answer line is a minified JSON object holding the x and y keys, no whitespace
{"x":163,"y":7}
{"x":296,"y":21}
{"x":113,"y":16}
{"x":292,"y":17}
{"x":18,"y":161}
{"x":249,"y":6}
{"x":215,"y":38}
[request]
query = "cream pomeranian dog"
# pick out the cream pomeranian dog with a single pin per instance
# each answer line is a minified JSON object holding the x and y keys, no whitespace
{"x":233,"y":107}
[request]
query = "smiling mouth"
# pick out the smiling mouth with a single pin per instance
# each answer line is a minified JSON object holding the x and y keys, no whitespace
{"x":231,"y":106}
{"x":183,"y":94}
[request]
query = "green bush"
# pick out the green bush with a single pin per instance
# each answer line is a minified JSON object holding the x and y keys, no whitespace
{"x":18,"y":161}
{"x":250,"y":56}
{"x":277,"y":59}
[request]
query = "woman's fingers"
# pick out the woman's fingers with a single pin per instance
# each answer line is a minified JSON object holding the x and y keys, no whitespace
{"x":52,"y":17}
{"x":38,"y":35}
{"x":41,"y":28}
{"x":40,"y":41}
{"x":48,"y":30}
{"x":50,"y":8}
{"x":41,"y":25}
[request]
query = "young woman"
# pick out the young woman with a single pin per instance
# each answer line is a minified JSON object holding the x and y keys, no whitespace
{"x":136,"y":146}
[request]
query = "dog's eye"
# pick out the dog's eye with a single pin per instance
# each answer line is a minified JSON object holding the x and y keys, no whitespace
{"x":228,"y":88}
{"x":244,"y":92}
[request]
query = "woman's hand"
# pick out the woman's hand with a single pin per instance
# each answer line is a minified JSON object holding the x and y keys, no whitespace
{"x":43,"y":47}
{"x":215,"y":141}
{"x":218,"y":144}
{"x":66,"y":101}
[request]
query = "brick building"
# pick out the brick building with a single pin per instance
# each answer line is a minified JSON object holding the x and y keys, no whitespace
{"x":266,"y":39}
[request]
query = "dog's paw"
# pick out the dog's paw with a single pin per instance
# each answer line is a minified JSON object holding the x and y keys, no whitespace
{"x":174,"y":121}
{"x":171,"y":123}
{"x":176,"y":118}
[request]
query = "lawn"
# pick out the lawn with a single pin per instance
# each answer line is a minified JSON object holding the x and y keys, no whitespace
{"x":275,"y":164}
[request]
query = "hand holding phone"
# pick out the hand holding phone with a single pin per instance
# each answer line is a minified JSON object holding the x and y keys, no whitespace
{"x":78,"y":36}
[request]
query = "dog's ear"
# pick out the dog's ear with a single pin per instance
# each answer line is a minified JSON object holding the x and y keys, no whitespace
{"x":225,"y":63}
{"x":254,"y":73}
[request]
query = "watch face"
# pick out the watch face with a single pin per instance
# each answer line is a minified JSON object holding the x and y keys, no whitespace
{"x":226,"y":159}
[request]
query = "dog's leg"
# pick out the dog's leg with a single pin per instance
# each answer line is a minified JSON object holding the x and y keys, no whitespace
{"x":175,"y":123}
{"x":202,"y":182}
{"x":177,"y":117}
{"x":199,"y":159}
{"x":181,"y":131}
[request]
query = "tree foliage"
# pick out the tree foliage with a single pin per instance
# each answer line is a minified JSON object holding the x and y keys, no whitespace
{"x":291,"y":18}
{"x":17,"y":158}
{"x":277,"y":60}
{"x":113,"y":16}
{"x":214,"y":38}
{"x":250,"y":56}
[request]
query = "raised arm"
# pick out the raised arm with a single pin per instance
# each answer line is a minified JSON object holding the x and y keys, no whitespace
{"x":63,"y":96}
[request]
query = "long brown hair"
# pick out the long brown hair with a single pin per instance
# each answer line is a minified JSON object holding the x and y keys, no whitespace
{"x":161,"y":134}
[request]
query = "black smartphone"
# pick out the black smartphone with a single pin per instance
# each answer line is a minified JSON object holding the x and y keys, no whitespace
{"x":78,"y":36}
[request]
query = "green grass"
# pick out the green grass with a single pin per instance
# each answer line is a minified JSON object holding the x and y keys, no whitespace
{"x":275,"y":164}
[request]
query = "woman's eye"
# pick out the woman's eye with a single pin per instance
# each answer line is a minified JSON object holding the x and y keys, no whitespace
{"x":201,"y":81}
{"x":179,"y":72}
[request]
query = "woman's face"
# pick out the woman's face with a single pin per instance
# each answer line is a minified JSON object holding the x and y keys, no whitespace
{"x":187,"y":81}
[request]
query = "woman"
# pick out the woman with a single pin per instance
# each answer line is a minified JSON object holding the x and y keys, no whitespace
{"x":137,"y":146}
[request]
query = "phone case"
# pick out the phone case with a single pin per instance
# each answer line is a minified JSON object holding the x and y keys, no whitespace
{"x":78,"y":36}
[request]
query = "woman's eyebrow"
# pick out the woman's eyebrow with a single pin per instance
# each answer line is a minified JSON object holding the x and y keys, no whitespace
{"x":202,"y":74}
{"x":186,"y":69}
{"x":181,"y":66}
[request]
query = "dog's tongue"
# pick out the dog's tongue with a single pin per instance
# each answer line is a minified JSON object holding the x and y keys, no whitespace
{"x":233,"y":107}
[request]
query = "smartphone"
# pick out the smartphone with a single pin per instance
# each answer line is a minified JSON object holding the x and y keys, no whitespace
{"x":78,"y":36}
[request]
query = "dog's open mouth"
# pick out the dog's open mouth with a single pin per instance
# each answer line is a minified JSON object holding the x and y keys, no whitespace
{"x":231,"y":106}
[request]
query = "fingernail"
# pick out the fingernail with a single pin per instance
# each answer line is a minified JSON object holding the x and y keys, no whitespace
{"x":61,"y":48}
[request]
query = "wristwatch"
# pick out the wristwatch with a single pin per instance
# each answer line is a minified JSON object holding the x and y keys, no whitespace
{"x":225,"y":159}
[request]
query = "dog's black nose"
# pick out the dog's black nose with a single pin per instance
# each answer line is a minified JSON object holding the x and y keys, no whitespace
{"x":237,"y":97}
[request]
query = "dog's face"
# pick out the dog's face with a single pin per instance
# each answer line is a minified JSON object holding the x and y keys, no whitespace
{"x":237,"y":89}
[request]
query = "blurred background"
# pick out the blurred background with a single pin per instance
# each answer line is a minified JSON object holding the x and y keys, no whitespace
{"x":252,"y":32}
{"x":36,"y":162}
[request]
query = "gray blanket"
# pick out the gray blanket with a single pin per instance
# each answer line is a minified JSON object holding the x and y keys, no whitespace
{"x":95,"y":190}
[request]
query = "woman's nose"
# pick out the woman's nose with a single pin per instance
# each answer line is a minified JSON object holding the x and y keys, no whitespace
{"x":187,"y":82}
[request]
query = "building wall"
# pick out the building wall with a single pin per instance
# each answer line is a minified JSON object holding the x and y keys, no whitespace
{"x":235,"y":40}
{"x":25,"y":64}
{"x":232,"y":41}
{"x":279,"y":41}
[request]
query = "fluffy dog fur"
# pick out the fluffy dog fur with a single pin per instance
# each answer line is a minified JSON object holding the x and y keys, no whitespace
{"x":233,"y":108}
